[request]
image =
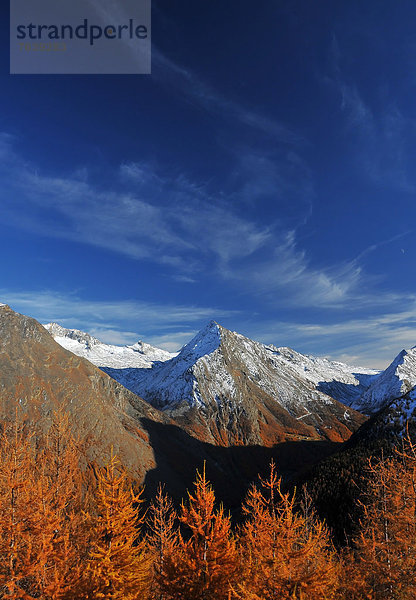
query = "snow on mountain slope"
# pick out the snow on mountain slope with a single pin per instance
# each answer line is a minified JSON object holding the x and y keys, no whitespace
{"x":343,"y":382}
{"x":181,"y":379}
{"x":178,"y":381}
{"x":137,"y":356}
{"x":396,"y":381}
{"x":125,"y":363}
{"x":268,"y":366}
{"x":226,"y":387}
{"x":406,"y":408}
{"x":235,"y":387}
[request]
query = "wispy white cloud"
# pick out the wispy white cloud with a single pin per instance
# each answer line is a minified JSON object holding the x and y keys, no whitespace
{"x":184,"y":279}
{"x":175,"y":222}
{"x":286,"y":277}
{"x":162,"y":219}
{"x":382,"y":132}
{"x":195,"y":89}
{"x":380,"y":244}
{"x":166,"y":325}
{"x":372,"y":341}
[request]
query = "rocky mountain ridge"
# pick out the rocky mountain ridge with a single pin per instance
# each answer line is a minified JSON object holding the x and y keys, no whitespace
{"x":38,"y":378}
{"x":138,"y":356}
{"x":227,"y":388}
{"x":394,"y":382}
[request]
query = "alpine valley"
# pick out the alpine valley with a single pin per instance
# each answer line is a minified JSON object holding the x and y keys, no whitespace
{"x":223,"y":398}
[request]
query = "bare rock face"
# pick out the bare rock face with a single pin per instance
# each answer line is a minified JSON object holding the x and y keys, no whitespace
{"x":226,"y":400}
{"x":227,"y":389}
{"x":40,"y":377}
{"x":397,"y":380}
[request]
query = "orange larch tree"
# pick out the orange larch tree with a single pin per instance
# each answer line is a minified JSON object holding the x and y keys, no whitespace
{"x":61,"y":505}
{"x":119,"y":565}
{"x":284,"y":554}
{"x":163,"y":543}
{"x":18,"y":547}
{"x":205,"y":561}
{"x":386,"y":543}
{"x":39,"y":514}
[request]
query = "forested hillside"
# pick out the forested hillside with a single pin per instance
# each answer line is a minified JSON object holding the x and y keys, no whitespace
{"x":70,"y":531}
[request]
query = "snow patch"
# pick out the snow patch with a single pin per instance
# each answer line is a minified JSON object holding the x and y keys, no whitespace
{"x":397,"y":380}
{"x":137,"y":356}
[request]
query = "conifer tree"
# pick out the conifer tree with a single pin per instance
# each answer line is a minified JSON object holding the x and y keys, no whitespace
{"x":40,"y":514}
{"x":61,"y":505}
{"x":18,"y":550}
{"x":119,"y":566}
{"x":205,"y":560}
{"x":163,"y":542}
{"x":284,"y":554}
{"x":386,"y":543}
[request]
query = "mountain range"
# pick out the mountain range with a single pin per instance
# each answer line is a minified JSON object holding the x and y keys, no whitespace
{"x":223,"y":398}
{"x":226,"y":389}
{"x":167,"y":383}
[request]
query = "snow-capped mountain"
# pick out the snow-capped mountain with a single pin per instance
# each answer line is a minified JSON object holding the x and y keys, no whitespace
{"x":234,"y":386}
{"x":39,"y":378}
{"x":169,"y":384}
{"x":137,"y":356}
{"x":397,"y":380}
{"x":343,"y":382}
{"x":237,"y":388}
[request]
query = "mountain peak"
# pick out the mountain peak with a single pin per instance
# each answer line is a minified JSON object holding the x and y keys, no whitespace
{"x":57,"y":330}
{"x":211,"y":326}
{"x":244,"y":390}
{"x":205,"y":342}
{"x":107,"y":356}
{"x":398,"y":379}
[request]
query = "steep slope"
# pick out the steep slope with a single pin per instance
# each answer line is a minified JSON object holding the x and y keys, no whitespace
{"x":343,"y":382}
{"x":41,"y":377}
{"x":396,"y":381}
{"x":335,"y":482}
{"x":226,"y":388}
{"x":38,"y":377}
{"x":138,"y":356}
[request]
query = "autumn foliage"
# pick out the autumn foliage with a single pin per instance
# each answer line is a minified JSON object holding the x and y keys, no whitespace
{"x":385,"y":546}
{"x":200,"y":560}
{"x":285,"y":554}
{"x":41,"y":527}
{"x":118,"y":563}
{"x":73,"y":531}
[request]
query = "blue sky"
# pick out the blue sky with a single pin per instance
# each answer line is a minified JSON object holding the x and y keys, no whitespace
{"x":263,"y":175}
